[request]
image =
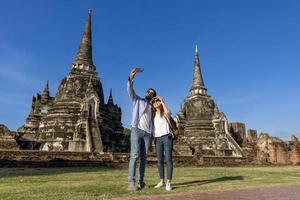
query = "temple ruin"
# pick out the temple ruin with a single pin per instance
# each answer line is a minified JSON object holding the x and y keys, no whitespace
{"x":77,"y":118}
{"x":202,"y":126}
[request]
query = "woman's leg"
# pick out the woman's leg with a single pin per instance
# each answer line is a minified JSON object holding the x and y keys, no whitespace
{"x":160,"y":156}
{"x":168,"y":146}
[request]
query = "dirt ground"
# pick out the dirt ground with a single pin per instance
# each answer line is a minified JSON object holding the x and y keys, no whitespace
{"x":281,"y":192}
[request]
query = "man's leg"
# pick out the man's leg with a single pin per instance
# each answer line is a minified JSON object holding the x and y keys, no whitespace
{"x":143,"y":157}
{"x":135,"y":144}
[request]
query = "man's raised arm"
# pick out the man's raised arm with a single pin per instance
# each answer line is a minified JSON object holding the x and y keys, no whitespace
{"x":130,"y":89}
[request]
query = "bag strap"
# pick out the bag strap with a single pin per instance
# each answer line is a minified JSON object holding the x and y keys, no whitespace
{"x":171,"y":122}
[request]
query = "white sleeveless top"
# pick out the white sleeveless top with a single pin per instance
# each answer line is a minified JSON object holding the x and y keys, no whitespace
{"x":161,"y":126}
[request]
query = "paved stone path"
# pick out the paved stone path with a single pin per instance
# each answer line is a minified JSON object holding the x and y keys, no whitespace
{"x":283,"y":192}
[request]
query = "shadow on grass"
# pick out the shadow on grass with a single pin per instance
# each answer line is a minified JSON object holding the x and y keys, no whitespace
{"x":15,"y":172}
{"x":207,"y":181}
{"x":203,"y":182}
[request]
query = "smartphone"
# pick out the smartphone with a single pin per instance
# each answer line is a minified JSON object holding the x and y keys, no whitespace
{"x":139,"y":69}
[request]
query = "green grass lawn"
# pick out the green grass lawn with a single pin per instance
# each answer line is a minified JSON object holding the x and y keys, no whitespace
{"x":105,"y":183}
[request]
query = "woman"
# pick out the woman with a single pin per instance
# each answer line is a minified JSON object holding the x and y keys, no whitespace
{"x":163,"y":141}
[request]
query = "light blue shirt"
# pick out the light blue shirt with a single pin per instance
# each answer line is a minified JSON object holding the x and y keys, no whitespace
{"x":140,"y":106}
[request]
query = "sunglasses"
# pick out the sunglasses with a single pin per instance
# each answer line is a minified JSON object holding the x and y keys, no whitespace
{"x":150,"y":91}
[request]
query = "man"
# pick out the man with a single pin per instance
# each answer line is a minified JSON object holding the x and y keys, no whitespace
{"x":141,"y":130}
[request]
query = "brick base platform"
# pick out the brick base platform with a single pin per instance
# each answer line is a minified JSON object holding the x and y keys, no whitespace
{"x":22,"y":158}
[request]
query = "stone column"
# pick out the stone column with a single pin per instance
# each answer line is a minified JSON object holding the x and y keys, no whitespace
{"x":251,"y":136}
{"x":238,"y":132}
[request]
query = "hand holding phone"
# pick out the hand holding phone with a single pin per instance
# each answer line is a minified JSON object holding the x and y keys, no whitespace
{"x":138,"y":69}
{"x":134,"y":71}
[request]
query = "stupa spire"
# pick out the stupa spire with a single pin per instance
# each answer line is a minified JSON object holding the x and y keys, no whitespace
{"x":84,"y":57}
{"x":45,"y":94}
{"x":47,"y":86}
{"x":110,"y":99}
{"x":198,"y":86}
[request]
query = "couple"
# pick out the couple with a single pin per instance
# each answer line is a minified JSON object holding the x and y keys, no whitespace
{"x":150,"y":117}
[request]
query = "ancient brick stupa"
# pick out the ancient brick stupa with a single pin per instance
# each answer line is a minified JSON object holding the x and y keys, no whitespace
{"x":201,"y":124}
{"x":77,"y":118}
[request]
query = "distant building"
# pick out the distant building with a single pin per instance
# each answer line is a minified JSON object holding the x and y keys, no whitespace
{"x":77,"y":118}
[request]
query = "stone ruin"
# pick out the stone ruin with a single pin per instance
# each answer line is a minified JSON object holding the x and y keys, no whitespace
{"x":7,"y":139}
{"x":265,"y":148}
{"x":205,"y":131}
{"x":203,"y":128}
{"x":77,"y":118}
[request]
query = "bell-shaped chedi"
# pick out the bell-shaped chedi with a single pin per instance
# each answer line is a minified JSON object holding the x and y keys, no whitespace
{"x":202,"y":126}
{"x":77,"y":118}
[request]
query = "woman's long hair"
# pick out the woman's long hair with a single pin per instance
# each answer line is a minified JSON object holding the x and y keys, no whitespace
{"x":161,"y":109}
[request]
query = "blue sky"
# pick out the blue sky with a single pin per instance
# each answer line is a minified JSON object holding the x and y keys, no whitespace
{"x":249,"y":53}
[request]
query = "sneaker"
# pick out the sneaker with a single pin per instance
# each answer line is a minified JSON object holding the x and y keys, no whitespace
{"x":142,"y":185}
{"x":159,"y":185}
{"x":168,"y":187}
{"x":132,"y":187}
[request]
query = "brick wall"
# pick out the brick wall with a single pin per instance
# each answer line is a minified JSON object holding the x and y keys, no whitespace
{"x":8,"y":144}
{"x":11,"y":158}
{"x":224,"y":161}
